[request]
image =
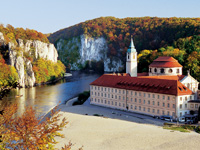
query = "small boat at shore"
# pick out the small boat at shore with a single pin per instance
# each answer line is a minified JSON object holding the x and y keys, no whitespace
{"x":18,"y":96}
{"x":67,"y":75}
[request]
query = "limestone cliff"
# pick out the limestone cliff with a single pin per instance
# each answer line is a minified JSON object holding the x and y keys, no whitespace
{"x":17,"y":57}
{"x":84,"y":48}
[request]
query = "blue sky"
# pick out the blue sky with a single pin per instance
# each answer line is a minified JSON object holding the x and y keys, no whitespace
{"x":48,"y":16}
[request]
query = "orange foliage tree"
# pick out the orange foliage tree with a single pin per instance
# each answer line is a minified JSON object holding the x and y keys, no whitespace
{"x":12,"y":34}
{"x":29,"y":132}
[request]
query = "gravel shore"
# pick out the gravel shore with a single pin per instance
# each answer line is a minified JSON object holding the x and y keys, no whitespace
{"x":119,"y":132}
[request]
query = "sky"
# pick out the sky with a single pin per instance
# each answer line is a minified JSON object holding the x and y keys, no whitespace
{"x":48,"y":16}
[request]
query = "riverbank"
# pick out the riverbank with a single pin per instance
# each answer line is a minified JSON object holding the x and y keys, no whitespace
{"x":114,"y":131}
{"x":50,"y":82}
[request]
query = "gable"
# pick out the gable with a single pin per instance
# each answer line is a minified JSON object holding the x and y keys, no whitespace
{"x":188,"y":79}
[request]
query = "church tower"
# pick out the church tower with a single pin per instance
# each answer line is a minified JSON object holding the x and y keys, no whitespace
{"x":131,"y":60}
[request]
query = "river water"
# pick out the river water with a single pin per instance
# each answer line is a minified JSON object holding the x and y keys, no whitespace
{"x":43,"y":98}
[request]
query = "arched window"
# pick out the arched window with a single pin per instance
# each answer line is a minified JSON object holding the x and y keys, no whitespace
{"x":155,"y":70}
{"x":170,"y":71}
{"x":162,"y":70}
{"x":188,"y":85}
{"x":149,"y":69}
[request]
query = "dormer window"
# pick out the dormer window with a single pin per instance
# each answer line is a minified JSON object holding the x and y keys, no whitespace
{"x":170,"y":71}
{"x":180,"y":89}
{"x":162,"y":70}
{"x":184,"y":88}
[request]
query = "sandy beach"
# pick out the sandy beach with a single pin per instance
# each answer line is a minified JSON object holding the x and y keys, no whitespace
{"x":113,"y":133}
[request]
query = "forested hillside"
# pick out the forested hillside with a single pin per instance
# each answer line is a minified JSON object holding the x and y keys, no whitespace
{"x":177,"y":37}
{"x":12,"y":34}
{"x":26,"y":58}
{"x":148,"y":33}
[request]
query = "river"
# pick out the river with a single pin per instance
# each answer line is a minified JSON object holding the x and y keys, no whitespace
{"x":44,"y":97}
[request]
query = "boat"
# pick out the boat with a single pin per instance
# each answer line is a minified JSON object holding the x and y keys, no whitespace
{"x":67,"y":75}
{"x":18,"y":96}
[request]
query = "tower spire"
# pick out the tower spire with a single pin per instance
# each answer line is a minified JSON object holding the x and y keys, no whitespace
{"x":131,"y":60}
{"x":131,"y":47}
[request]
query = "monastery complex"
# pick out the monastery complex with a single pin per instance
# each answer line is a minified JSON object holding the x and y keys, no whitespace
{"x":161,"y":91}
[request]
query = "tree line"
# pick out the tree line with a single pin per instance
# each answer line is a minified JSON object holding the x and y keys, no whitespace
{"x":153,"y":37}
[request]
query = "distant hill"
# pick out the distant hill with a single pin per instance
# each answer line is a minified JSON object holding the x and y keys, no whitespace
{"x":177,"y":37}
{"x":148,"y":32}
{"x":12,"y":34}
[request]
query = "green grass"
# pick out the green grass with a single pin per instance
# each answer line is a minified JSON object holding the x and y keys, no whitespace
{"x":176,"y":128}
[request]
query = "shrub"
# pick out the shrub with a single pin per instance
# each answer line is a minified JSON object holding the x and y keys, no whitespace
{"x":197,"y":129}
{"x":82,"y":97}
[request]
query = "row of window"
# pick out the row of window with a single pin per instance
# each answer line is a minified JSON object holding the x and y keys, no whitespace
{"x":136,"y":108}
{"x":181,"y":106}
{"x":162,"y":70}
{"x":135,"y":93}
{"x":108,"y":89}
{"x":181,"y":114}
{"x":190,"y":85}
{"x":194,"y":106}
{"x":128,"y":92}
{"x":144,"y":101}
{"x":185,"y":98}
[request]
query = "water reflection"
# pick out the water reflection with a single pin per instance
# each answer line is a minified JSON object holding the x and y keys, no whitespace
{"x":45,"y":97}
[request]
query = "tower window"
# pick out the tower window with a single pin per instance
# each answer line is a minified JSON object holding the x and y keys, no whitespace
{"x":162,"y":70}
{"x":155,"y":70}
{"x":128,"y":56}
{"x":170,"y":71}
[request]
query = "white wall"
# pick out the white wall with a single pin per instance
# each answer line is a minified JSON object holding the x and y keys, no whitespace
{"x":166,"y":71}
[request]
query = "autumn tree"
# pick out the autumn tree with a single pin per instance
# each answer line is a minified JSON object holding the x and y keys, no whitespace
{"x":28,"y":132}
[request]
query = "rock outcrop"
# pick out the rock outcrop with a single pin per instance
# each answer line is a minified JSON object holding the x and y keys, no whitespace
{"x":39,"y":49}
{"x":88,"y":49}
{"x":23,"y":66}
{"x":1,"y":38}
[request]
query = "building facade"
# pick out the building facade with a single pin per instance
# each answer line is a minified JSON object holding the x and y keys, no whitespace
{"x":162,"y":91}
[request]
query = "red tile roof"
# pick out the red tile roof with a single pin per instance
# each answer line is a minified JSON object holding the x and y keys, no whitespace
{"x":153,"y":85}
{"x":167,"y":77}
{"x":143,"y":74}
{"x":165,"y":58}
{"x":165,"y":62}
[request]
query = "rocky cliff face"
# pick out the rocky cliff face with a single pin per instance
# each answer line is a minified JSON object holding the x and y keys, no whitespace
{"x":39,"y":49}
{"x":87,"y":48}
{"x":36,"y":49}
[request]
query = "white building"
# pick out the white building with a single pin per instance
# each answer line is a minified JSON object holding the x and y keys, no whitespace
{"x":162,"y":91}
